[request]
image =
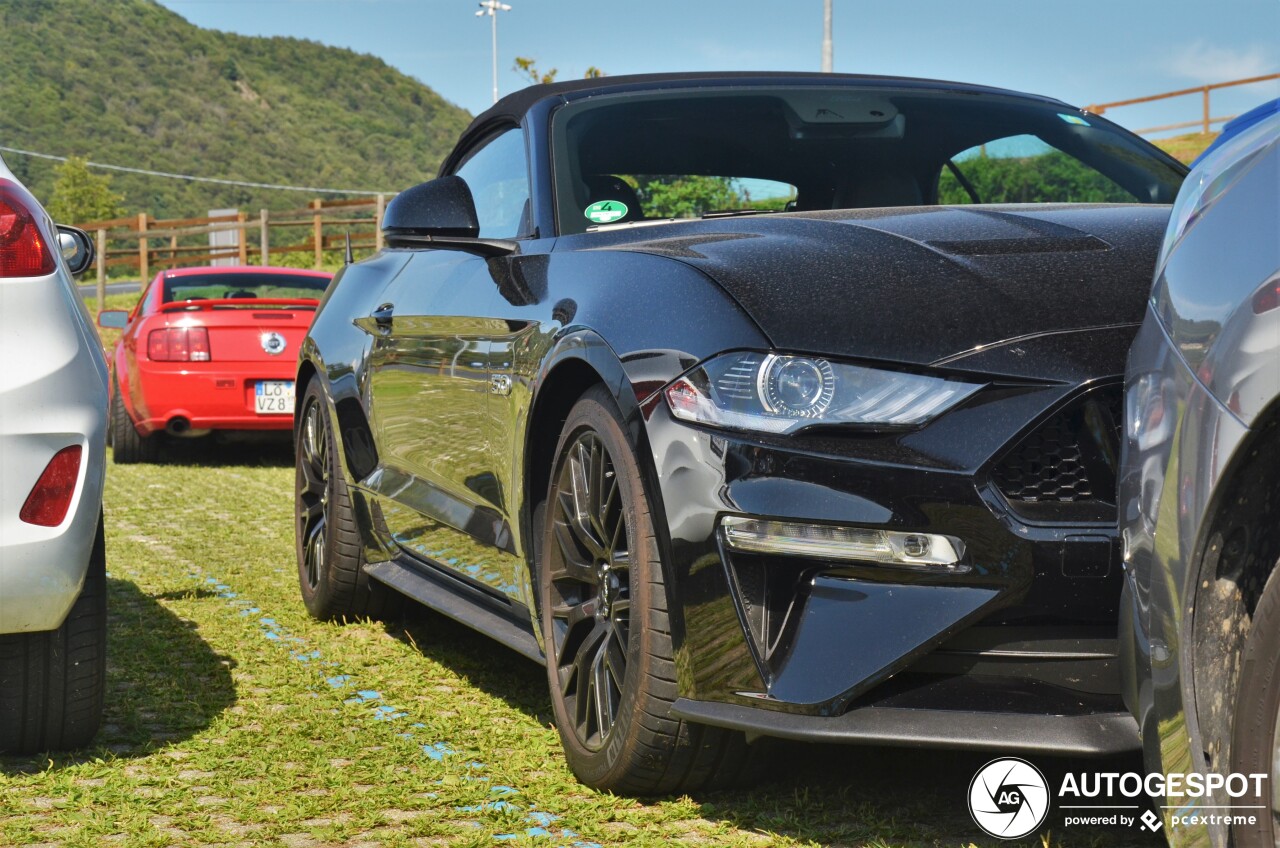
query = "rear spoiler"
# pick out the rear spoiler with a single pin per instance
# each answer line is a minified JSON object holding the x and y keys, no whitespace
{"x":239,"y":303}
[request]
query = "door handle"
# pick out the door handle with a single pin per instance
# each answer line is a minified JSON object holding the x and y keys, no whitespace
{"x":382,"y":315}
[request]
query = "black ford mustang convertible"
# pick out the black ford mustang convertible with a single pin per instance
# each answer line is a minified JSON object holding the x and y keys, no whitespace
{"x":755,"y":405}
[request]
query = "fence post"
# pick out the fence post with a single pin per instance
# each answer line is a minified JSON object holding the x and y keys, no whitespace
{"x":173,"y":251}
{"x":1206,"y":110}
{"x":244,"y":242}
{"x":318,"y":234}
{"x":144,"y":268}
{"x":102,"y":270}
{"x":266,"y":248}
{"x":377,"y":221}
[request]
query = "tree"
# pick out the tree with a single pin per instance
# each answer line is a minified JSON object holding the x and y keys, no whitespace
{"x":80,"y":195}
{"x":685,"y":196}
{"x":529,"y":67}
{"x":1048,"y":178}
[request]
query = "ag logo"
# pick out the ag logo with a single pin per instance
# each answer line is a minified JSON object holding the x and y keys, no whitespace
{"x":273,"y":343}
{"x":1008,"y":798}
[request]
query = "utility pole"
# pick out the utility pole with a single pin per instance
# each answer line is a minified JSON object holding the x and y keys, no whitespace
{"x":826,"y":36}
{"x":492,"y":8}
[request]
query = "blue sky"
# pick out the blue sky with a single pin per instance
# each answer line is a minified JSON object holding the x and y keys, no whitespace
{"x":1082,"y":51}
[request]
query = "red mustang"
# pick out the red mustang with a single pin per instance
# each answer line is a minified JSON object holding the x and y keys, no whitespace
{"x":208,"y":349}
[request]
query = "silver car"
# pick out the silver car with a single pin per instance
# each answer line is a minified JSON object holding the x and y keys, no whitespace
{"x":1200,"y":496}
{"x":53,"y":415}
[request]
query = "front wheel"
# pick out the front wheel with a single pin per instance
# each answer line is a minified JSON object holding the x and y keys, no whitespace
{"x":1255,"y":739}
{"x":327,"y":539}
{"x":604,"y":610}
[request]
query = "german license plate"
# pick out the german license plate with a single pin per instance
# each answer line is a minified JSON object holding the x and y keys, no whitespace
{"x":273,"y":397}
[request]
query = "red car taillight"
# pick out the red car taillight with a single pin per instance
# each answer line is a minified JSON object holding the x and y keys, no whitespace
{"x":49,"y":501}
{"x":178,"y":344}
{"x":23,"y":251}
{"x":1267,"y":298}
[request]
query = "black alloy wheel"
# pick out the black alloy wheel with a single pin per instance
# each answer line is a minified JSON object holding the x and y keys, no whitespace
{"x":590,"y":574}
{"x":314,"y":492}
{"x":606,"y":625}
{"x":327,"y":539}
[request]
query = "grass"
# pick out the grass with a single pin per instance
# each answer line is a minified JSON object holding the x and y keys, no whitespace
{"x":1187,"y":147}
{"x":233,"y":718}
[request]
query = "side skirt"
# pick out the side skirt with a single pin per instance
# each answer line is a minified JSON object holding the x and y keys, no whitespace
{"x":451,"y":597}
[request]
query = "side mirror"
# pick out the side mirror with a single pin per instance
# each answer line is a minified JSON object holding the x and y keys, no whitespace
{"x":76,"y":247}
{"x":113,"y":319}
{"x":442,"y":207}
{"x":441,"y":214}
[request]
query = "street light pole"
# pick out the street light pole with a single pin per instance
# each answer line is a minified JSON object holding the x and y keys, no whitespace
{"x":826,"y":36}
{"x":492,"y":8}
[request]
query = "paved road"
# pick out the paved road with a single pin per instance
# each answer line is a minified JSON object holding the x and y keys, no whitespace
{"x":112,"y":288}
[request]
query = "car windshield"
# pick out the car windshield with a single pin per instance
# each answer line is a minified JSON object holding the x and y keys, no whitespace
{"x":634,"y":157}
{"x":215,"y":286}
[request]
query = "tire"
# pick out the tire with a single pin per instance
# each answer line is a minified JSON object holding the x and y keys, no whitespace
{"x":327,"y":540}
{"x":127,"y":447}
{"x":1254,"y":741}
{"x":599,"y":570}
{"x":52,"y":683}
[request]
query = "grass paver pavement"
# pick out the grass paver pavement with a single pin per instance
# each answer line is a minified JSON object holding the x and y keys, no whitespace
{"x":233,"y":718}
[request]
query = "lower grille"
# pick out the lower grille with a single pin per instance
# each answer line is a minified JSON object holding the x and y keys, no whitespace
{"x":1065,"y":470}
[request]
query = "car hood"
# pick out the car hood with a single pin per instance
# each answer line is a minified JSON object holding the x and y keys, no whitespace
{"x":922,"y":284}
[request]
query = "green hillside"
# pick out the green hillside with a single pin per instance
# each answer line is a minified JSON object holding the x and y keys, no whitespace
{"x":1187,"y":147}
{"x":128,"y":82}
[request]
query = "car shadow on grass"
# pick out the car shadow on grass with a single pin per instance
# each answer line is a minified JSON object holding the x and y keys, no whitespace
{"x":860,"y":795}
{"x":268,"y":450}
{"x":497,"y":671}
{"x":825,"y":794}
{"x":164,"y":684}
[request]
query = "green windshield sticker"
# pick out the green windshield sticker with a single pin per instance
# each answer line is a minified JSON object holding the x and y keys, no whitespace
{"x":606,"y":211}
{"x":1074,"y":119}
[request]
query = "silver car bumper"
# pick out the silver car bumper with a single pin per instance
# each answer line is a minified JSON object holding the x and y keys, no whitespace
{"x":53,"y":394}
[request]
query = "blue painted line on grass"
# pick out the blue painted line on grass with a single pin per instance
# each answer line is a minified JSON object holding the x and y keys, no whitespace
{"x":539,"y":821}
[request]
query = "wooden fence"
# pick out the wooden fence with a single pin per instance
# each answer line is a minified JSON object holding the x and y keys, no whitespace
{"x":1206,"y":117}
{"x":146,"y":244}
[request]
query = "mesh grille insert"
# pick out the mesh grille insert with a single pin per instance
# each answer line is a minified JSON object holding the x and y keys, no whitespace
{"x":1066,"y":468}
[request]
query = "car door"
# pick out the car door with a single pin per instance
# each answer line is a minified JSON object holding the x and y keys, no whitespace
{"x":439,"y":490}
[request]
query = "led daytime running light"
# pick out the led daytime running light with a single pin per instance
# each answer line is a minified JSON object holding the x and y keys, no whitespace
{"x":857,"y":544}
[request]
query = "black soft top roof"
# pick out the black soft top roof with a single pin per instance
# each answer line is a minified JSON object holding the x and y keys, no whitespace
{"x":514,"y":106}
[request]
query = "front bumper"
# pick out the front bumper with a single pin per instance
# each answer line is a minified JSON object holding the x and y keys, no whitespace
{"x":210,"y":397}
{"x":1098,"y":734}
{"x":1017,"y":651}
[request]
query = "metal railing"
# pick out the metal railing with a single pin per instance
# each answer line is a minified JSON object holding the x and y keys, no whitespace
{"x":1206,"y":120}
